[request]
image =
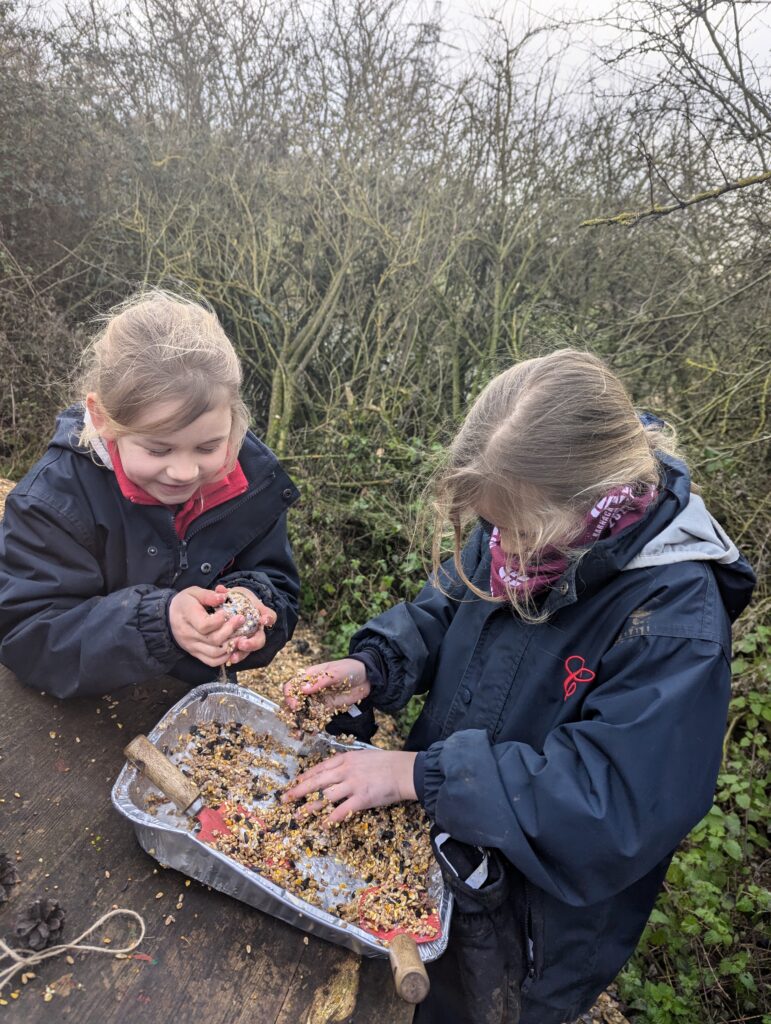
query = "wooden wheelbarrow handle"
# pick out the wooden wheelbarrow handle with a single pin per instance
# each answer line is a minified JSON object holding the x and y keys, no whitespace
{"x":410,"y":977}
{"x":162,"y":773}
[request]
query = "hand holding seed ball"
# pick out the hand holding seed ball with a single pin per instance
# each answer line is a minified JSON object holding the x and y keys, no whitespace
{"x":202,"y":627}
{"x":237,"y":603}
{"x":250,"y":618}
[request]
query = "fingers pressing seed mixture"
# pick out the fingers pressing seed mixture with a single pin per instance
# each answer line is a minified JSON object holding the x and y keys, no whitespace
{"x":313,"y":712}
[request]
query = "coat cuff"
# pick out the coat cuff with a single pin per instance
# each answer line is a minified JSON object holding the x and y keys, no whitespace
{"x":376,"y":675}
{"x":388,"y":689}
{"x":262,"y":591}
{"x":154,"y":628}
{"x":428,"y":777}
{"x":418,"y":774}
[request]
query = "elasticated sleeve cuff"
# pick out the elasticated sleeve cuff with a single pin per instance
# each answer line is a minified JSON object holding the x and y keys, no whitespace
{"x":376,"y":673}
{"x":154,"y":628}
{"x":418,"y":772}
{"x":388,"y":691}
{"x":428,"y":777}
{"x":261,"y":590}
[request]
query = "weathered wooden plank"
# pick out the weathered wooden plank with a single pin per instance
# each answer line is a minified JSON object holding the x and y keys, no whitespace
{"x":62,"y":758}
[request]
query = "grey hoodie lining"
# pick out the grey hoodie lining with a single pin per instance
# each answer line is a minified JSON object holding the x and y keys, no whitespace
{"x":692,"y":536}
{"x":97,"y":443}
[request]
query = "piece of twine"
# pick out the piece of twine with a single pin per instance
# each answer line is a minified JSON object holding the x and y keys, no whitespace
{"x":27,"y":958}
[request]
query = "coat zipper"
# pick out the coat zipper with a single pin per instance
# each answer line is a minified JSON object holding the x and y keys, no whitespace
{"x":534,"y":932}
{"x":182,"y":555}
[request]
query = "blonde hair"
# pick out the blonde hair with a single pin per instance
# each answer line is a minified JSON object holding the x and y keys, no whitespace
{"x":158,"y":347}
{"x":542,"y":443}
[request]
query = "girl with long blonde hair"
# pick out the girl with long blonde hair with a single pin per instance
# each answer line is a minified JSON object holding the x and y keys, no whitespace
{"x":575,"y":655}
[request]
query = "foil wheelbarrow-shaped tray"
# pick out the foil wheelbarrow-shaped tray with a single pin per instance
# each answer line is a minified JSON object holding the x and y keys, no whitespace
{"x":167,"y":834}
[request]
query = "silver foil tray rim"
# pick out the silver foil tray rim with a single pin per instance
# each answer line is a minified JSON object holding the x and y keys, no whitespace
{"x":169,"y":839}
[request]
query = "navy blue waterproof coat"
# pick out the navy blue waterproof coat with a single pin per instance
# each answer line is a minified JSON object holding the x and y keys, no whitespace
{"x":583,"y":748}
{"x":86,"y":576}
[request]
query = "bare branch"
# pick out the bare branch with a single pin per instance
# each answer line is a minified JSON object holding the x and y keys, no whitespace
{"x":631,"y":217}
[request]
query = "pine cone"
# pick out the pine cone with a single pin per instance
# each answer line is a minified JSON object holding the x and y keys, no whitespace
{"x":8,"y":876}
{"x":40,"y":924}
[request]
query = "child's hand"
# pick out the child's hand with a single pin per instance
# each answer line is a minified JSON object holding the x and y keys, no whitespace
{"x":357,"y":780}
{"x":205,"y":636}
{"x":242,"y":646}
{"x":330,"y":673}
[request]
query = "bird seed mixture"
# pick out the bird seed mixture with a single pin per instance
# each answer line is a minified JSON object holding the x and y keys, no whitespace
{"x":370,"y":869}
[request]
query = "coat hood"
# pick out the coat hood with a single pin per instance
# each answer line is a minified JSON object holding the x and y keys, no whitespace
{"x":69,"y":425}
{"x":692,"y":536}
{"x":677,"y":528}
{"x":681,"y":529}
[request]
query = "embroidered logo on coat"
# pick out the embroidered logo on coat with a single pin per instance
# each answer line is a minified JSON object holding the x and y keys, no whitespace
{"x":577,"y":672}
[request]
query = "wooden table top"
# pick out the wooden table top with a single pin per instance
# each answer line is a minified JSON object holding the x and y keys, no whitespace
{"x":58,"y":762}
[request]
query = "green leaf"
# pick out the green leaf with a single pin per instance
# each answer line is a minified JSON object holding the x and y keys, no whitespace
{"x":733,"y":849}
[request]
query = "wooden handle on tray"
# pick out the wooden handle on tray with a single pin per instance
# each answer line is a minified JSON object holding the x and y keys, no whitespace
{"x":410,"y":977}
{"x":161,"y":772}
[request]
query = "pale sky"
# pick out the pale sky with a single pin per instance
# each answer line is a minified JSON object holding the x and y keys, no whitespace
{"x":463,"y":24}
